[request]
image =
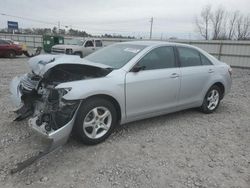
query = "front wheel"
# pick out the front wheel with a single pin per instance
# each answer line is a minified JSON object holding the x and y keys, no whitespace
{"x":95,"y":121}
{"x":211,"y":100}
{"x":79,"y":54}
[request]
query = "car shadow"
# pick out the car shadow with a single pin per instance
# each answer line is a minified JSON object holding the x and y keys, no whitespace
{"x":75,"y":146}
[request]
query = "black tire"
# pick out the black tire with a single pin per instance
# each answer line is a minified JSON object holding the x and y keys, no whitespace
{"x":84,"y":110}
{"x":11,"y":54}
{"x":79,"y":54}
{"x":205,"y":105}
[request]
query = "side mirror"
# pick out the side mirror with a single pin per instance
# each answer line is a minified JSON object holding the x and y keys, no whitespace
{"x":137,"y":68}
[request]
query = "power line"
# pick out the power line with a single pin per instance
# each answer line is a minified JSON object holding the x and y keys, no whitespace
{"x":58,"y":24}
{"x":112,"y":22}
{"x":30,"y":19}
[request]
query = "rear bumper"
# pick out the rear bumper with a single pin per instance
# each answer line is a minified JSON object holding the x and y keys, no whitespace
{"x":58,"y":51}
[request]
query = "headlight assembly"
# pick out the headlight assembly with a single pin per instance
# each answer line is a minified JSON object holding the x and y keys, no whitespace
{"x":63,"y":91}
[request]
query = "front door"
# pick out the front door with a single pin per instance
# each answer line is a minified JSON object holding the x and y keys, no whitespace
{"x":89,"y":48}
{"x":155,"y":88}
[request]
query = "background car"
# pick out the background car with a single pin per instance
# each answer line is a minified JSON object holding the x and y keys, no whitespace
{"x":78,"y":47}
{"x":120,"y":83}
{"x":10,"y":49}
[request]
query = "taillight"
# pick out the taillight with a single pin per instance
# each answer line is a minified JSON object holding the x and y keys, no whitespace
{"x":230,"y":71}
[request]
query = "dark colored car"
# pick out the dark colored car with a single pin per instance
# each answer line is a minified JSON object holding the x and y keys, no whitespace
{"x":9,"y":49}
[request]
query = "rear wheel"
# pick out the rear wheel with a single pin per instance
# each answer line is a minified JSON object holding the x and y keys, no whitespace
{"x":211,"y":100}
{"x":95,"y":121}
{"x":11,"y":54}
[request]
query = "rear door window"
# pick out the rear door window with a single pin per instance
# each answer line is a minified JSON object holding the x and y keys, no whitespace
{"x":189,"y":57}
{"x":205,"y":60}
{"x":98,"y":43}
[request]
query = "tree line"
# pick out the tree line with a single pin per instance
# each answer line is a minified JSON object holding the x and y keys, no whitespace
{"x":55,"y":31}
{"x":220,"y":24}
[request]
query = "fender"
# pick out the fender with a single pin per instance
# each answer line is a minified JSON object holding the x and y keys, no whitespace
{"x":111,"y":85}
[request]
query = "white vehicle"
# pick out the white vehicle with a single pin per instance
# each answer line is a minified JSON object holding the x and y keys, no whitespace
{"x":78,"y":47}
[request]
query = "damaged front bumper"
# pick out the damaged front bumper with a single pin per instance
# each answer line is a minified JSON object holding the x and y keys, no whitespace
{"x":15,"y":92}
{"x":54,"y":124}
{"x":58,"y":137}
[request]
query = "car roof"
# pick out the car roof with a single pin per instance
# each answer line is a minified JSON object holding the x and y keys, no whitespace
{"x":156,"y":43}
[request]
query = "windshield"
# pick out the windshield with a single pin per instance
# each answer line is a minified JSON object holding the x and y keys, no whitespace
{"x":75,"y":42}
{"x":116,"y":55}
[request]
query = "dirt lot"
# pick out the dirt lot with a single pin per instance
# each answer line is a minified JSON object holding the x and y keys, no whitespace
{"x":184,"y":149}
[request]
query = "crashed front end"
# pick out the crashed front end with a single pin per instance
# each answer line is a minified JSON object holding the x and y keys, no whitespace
{"x":52,"y":116}
{"x":37,"y":96}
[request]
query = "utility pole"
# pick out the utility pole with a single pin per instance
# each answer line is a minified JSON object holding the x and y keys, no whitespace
{"x":59,"y":27}
{"x":151,"y":27}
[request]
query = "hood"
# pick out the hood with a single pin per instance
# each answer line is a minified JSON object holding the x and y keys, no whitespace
{"x":42,"y":63}
{"x":65,"y":46}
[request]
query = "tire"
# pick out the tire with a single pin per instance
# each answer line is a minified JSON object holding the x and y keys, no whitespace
{"x":79,"y":54}
{"x":91,"y":125}
{"x":211,"y":100}
{"x":11,"y":54}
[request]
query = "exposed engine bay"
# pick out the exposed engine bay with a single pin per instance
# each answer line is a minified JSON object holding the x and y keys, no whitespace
{"x":38,"y":95}
{"x":44,"y":102}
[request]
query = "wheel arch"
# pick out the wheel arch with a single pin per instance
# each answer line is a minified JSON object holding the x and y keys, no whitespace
{"x":111,"y":99}
{"x":222,"y":88}
{"x":78,"y":52}
{"x":11,"y":50}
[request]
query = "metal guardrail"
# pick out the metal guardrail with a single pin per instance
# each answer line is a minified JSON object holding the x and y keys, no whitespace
{"x":235,"y":53}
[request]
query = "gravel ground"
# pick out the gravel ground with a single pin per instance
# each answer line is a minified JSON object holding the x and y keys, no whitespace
{"x":184,"y":149}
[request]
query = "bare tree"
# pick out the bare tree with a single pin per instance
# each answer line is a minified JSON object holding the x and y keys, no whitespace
{"x":243,"y":27}
{"x":218,"y":18}
{"x":221,"y":25}
{"x":203,"y":22}
{"x":232,"y":24}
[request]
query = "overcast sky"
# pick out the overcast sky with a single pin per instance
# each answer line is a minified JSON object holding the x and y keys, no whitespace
{"x":127,"y":17}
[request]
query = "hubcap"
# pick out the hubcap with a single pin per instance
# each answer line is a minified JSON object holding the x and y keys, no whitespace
{"x":97,"y":122}
{"x":212,"y":99}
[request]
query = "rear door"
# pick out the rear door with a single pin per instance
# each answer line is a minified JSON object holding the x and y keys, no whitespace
{"x":156,"y":87}
{"x":196,"y":71}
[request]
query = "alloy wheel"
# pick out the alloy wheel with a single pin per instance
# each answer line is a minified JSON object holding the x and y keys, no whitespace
{"x":97,"y":122}
{"x":213,"y":99}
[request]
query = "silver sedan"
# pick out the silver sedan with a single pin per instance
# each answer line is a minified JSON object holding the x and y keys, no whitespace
{"x":121,"y":83}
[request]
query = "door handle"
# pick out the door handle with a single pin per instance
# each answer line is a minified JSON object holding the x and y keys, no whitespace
{"x":174,"y":75}
{"x":210,"y":71}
